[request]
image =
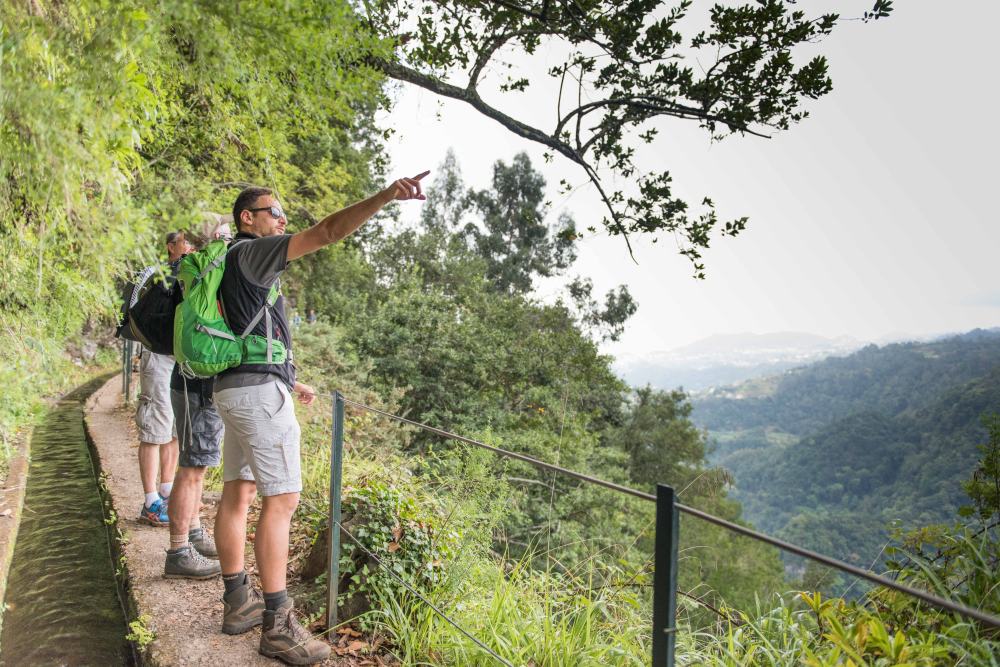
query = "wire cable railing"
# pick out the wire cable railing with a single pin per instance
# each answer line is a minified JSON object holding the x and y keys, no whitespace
{"x":666,"y":540}
{"x":509,"y":454}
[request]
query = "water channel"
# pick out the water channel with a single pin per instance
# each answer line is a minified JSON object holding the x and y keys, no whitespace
{"x":62,"y":600}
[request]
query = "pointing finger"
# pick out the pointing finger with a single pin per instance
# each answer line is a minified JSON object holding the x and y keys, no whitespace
{"x":421,"y":175}
{"x":413,"y":186}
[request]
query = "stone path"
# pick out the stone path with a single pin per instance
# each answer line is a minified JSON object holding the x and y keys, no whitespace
{"x":186,"y":615}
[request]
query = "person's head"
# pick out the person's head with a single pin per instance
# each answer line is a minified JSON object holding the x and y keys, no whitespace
{"x":213,"y":226}
{"x":223,"y":231}
{"x":256,"y":211}
{"x":177,"y":246}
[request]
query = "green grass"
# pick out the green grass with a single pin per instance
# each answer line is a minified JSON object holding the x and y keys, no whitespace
{"x":32,"y":371}
{"x":525,"y":616}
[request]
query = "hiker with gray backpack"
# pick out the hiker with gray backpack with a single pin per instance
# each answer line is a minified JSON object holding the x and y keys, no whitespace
{"x":154,"y":415}
{"x":232,"y":324}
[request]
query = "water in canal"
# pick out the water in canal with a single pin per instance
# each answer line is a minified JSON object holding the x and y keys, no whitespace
{"x":62,"y":600}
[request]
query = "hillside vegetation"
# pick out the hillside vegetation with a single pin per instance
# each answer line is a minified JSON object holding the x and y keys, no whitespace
{"x":832,"y":454}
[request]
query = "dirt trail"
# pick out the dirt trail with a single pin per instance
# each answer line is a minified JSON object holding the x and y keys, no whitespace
{"x":11,"y":504}
{"x":186,"y":615}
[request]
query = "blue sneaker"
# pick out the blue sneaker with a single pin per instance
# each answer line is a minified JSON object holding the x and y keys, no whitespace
{"x":155,"y":514}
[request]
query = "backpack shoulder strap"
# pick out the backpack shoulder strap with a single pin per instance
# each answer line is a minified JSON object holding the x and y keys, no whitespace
{"x":217,"y":262}
{"x":265,"y":310}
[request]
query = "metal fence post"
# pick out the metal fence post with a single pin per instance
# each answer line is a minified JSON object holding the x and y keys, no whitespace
{"x":336,"y":466}
{"x":124,"y":368}
{"x":665,"y":577}
{"x":127,"y":353}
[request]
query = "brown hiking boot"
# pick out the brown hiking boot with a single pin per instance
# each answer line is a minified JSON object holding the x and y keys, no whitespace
{"x":244,"y":609}
{"x":285,"y":639}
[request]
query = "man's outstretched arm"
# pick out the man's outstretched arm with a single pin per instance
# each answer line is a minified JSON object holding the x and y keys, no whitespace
{"x":337,"y":225}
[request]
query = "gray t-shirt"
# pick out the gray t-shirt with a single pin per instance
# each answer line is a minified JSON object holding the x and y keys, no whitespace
{"x":263,"y":259}
{"x":260,"y":261}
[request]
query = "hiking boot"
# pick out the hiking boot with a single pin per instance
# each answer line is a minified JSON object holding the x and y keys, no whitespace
{"x":203,"y":543}
{"x":244,"y":609}
{"x":155,"y":514}
{"x":189,"y":564}
{"x":285,"y":639}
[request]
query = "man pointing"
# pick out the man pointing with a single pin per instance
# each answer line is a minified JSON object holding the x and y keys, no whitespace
{"x":261,"y":444}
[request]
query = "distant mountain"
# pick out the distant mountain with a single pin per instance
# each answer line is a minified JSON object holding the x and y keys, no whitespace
{"x":728,"y":358}
{"x":828,"y":455}
{"x":975,"y":334}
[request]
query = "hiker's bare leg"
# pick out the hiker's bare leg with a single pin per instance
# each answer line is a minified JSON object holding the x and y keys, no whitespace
{"x":149,"y":457}
{"x":168,"y":461}
{"x":185,"y":499}
{"x":231,"y":524}
{"x":193,"y":517}
{"x":271,"y":541}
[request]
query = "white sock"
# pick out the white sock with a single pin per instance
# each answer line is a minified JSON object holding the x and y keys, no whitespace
{"x":195,"y":523}
{"x":165,"y":489}
{"x":152,"y":498}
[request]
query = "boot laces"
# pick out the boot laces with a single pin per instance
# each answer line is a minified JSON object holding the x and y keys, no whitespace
{"x":205,"y":540}
{"x":196,"y":556}
{"x":291,"y":625}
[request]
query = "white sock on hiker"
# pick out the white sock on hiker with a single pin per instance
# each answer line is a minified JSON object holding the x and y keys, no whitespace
{"x":152,"y":498}
{"x":195,"y":523}
{"x":178,"y":541}
{"x":165,"y":489}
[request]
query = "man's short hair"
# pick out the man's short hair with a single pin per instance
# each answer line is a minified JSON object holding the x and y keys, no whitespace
{"x":174,"y":236}
{"x":245,"y":201}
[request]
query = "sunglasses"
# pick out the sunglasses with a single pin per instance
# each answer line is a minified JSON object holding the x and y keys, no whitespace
{"x":275,"y":211}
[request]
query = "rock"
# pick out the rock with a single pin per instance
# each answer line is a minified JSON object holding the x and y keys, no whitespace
{"x":315,"y":564}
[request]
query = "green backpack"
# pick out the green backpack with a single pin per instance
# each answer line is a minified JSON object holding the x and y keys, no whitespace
{"x":204,"y":345}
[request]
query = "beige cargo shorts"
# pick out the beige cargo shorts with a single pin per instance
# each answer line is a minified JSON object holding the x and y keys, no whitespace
{"x":155,"y":415}
{"x":261,"y":443}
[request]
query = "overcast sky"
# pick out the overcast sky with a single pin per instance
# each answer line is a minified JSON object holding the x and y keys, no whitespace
{"x":874,"y":218}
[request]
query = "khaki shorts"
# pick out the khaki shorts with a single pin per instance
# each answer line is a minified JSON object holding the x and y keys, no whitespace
{"x":261,"y":443}
{"x":154,"y":415}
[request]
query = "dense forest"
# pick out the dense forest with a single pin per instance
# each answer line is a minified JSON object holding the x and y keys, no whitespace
{"x":834,"y":454}
{"x":121,"y":123}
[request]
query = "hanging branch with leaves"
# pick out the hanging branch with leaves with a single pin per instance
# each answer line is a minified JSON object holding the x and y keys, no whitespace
{"x":628,"y":63}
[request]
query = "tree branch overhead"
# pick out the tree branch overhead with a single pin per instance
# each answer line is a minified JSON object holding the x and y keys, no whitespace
{"x":635,"y":64}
